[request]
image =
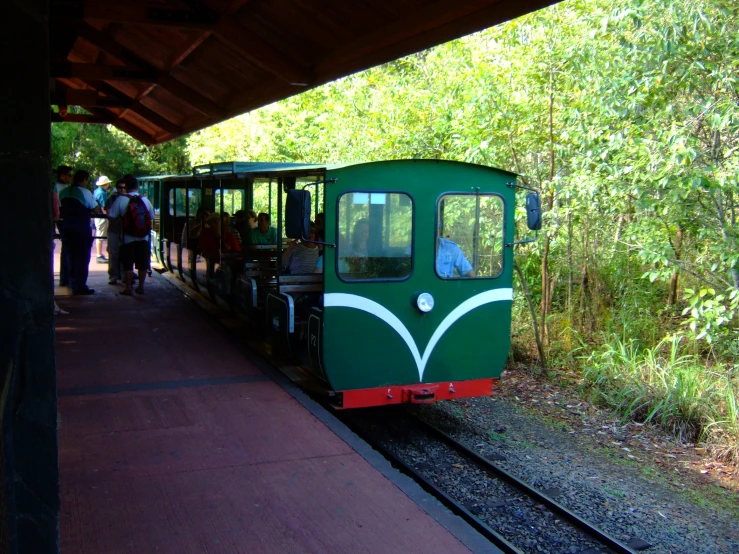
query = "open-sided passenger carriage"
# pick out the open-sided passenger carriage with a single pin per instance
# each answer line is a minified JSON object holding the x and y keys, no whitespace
{"x":414,"y":302}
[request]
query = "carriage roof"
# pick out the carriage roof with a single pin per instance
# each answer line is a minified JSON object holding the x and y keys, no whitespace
{"x":222,"y":169}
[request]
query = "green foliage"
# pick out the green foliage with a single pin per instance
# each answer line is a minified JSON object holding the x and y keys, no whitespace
{"x":711,"y":314}
{"x":666,"y":385}
{"x":104,"y":150}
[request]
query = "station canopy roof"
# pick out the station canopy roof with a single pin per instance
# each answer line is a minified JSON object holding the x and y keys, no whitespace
{"x":159,"y":69}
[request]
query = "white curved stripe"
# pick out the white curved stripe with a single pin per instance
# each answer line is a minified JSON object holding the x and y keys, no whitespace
{"x":495,"y":295}
{"x":378,"y":310}
{"x":342,"y":300}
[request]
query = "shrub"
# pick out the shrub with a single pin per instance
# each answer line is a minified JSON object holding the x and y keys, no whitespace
{"x":666,"y":386}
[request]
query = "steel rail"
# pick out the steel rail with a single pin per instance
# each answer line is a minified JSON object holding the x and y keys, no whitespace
{"x":456,"y":508}
{"x":601,"y":536}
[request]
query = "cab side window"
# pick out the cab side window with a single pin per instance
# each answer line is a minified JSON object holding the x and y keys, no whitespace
{"x":469,"y":236}
{"x":177,"y":202}
{"x":375,"y":236}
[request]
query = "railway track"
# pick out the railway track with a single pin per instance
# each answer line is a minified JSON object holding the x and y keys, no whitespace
{"x":582,"y":536}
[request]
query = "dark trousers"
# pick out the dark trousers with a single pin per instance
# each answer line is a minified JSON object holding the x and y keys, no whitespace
{"x":63,"y":265}
{"x":76,"y":246}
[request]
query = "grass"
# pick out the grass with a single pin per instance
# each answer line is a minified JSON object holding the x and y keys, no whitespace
{"x":497,"y":437}
{"x":667,"y":386}
{"x":614,"y":493}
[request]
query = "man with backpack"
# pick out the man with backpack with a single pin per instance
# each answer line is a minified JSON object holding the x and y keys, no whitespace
{"x":136,"y":215}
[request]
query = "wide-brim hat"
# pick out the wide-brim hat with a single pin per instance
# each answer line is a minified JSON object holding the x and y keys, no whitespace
{"x":102,"y":180}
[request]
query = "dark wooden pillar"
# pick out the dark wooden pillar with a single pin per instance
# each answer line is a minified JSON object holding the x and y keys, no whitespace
{"x":29,"y":474}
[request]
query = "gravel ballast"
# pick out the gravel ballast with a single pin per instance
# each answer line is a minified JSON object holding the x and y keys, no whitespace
{"x":619,"y":495}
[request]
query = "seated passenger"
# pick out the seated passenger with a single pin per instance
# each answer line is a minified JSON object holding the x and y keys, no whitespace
{"x":251,"y":219}
{"x":196,"y":226}
{"x":264,"y":233}
{"x":355,"y":257}
{"x":360,"y":238}
{"x":238,"y":225}
{"x":320,"y":228}
{"x":449,"y":257}
{"x":210,"y":237}
{"x":231,"y":241}
{"x":301,"y":257}
{"x":229,"y":225}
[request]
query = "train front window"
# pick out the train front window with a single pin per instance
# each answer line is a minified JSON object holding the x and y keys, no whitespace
{"x":469,"y":236}
{"x":375,"y":236}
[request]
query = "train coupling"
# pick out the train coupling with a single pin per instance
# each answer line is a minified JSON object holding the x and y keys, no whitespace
{"x":420,"y":395}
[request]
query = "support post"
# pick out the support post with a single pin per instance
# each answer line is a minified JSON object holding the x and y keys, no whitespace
{"x":29,"y":471}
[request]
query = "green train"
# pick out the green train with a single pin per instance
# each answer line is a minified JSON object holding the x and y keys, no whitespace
{"x":388,"y":282}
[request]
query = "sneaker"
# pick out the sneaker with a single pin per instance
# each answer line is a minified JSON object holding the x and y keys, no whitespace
{"x":102,"y":260}
{"x":113,"y":281}
{"x":59,"y":311}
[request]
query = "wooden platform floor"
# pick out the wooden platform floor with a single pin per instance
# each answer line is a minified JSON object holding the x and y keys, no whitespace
{"x":172,"y":440}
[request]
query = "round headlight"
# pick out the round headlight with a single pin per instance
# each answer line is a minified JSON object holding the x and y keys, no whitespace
{"x":425,"y":302}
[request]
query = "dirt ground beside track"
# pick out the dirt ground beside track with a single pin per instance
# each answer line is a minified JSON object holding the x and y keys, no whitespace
{"x":684,"y":466}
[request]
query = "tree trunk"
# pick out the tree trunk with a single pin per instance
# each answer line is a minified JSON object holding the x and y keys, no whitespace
{"x":677,"y":247}
{"x":570,"y":269}
{"x":617,"y":238}
{"x":546,"y":291}
{"x":532,"y":311}
{"x":718,"y":200}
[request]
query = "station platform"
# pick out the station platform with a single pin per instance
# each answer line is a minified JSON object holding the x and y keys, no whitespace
{"x":174,"y":438}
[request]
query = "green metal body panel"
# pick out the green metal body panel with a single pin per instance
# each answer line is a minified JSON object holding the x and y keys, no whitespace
{"x":362,"y":344}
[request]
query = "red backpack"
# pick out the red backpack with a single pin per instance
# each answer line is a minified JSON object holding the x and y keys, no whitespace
{"x":137,"y":219}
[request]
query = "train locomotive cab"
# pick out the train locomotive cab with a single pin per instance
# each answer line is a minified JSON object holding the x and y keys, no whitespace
{"x":418,"y":290}
{"x":409,"y":291}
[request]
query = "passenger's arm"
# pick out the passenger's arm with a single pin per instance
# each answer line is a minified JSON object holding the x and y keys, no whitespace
{"x":462,"y":265}
{"x":287,"y":254}
{"x":235,"y":246}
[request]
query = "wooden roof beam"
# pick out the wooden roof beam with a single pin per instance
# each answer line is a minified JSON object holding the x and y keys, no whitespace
{"x":82,"y":118}
{"x":136,"y":106}
{"x":448,"y":19}
{"x":136,"y":132}
{"x":261,"y":55}
{"x":204,"y":19}
{"x":86,"y":98}
{"x":129,"y":128}
{"x":201,"y":18}
{"x":70,"y":70}
{"x":162,"y":79}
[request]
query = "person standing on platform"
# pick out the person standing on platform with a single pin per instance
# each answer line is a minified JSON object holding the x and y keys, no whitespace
{"x":63,"y":179}
{"x":55,"y":216}
{"x":114,"y":235}
{"x":102,"y":186}
{"x":136,"y":214}
{"x":76,"y":204}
